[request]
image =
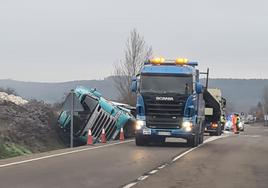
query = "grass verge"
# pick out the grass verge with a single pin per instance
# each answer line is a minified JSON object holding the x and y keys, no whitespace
{"x":8,"y":150}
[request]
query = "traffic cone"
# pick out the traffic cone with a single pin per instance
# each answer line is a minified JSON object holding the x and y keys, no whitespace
{"x":122,"y":137}
{"x":103,"y":136}
{"x":89,"y":138}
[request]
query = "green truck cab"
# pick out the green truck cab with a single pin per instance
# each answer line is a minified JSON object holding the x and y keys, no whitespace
{"x":98,"y":114}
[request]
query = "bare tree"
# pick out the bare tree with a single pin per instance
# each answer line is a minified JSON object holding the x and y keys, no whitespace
{"x":135,"y":54}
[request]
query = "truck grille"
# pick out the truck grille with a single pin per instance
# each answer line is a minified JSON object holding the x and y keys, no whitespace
{"x":103,"y":120}
{"x":164,"y":114}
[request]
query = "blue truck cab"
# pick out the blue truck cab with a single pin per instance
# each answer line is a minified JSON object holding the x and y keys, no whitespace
{"x":98,"y":114}
{"x":169,"y":102}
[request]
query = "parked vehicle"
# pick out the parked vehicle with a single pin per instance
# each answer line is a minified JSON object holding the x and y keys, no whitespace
{"x":169,"y":102}
{"x":229,"y":124}
{"x":214,"y":111}
{"x":241,"y":126}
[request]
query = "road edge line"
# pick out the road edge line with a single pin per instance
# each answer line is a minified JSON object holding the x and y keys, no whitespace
{"x":62,"y":154}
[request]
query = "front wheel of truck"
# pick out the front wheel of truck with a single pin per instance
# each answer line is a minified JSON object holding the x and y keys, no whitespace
{"x":201,"y":136}
{"x":194,"y":141}
{"x":140,"y":141}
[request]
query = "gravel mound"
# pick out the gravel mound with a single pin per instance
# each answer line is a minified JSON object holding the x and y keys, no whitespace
{"x":31,"y":124}
{"x":12,"y":98}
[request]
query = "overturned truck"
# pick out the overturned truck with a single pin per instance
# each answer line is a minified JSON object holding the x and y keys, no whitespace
{"x":98,"y":114}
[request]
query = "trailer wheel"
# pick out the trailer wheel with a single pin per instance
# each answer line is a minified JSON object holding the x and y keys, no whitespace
{"x":219,"y":131}
{"x":212,"y":134}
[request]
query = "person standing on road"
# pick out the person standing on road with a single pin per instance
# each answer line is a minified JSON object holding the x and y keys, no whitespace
{"x":237,"y":122}
{"x":234,"y":121}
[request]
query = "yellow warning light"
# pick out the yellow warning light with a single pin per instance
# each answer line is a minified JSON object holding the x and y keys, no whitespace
{"x":181,"y":61}
{"x":157,"y":60}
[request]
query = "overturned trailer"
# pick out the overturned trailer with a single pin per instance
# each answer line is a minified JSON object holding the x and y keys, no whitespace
{"x":98,"y":114}
{"x":214,"y":111}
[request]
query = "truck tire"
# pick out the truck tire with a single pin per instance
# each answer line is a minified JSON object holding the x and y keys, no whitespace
{"x":140,"y":141}
{"x":212,"y":134}
{"x":129,"y":129}
{"x":201,"y":136}
{"x":194,"y":141}
{"x":219,"y":131}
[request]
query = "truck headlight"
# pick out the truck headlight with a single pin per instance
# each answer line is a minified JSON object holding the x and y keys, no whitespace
{"x":188,"y":126}
{"x":140,"y":124}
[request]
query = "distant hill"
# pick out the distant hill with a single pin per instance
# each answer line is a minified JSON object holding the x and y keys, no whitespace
{"x":241,"y":93}
{"x":54,"y":92}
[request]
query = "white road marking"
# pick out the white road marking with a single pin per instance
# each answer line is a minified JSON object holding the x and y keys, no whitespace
{"x":153,"y":171}
{"x":210,"y":139}
{"x":227,"y":132}
{"x":62,"y":154}
{"x":142,"y":178}
{"x":130,"y":185}
{"x":251,"y":136}
{"x":163,"y":166}
{"x":181,"y":155}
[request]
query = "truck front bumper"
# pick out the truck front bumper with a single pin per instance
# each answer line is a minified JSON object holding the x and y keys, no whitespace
{"x":156,"y":133}
{"x":210,"y":130}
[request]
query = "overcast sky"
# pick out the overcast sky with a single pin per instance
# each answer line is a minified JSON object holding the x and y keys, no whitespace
{"x":62,"y":40}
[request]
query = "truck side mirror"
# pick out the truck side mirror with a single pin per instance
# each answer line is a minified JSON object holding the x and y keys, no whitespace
{"x":191,"y":111}
{"x":199,"y":88}
{"x":224,"y":102}
{"x":134,"y":85}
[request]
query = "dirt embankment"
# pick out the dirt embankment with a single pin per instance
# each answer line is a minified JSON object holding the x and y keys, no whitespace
{"x":27,"y":127}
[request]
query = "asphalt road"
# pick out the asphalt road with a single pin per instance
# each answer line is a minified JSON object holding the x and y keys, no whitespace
{"x":235,"y":161}
{"x":111,"y":166}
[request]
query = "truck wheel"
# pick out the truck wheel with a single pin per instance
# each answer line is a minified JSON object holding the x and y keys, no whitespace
{"x":211,"y":134}
{"x":129,"y":129}
{"x":140,"y":141}
{"x":194,"y":141}
{"x":201,"y":136}
{"x":218,"y":131}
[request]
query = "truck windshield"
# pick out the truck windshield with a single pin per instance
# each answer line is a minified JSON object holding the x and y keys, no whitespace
{"x":181,"y":84}
{"x":81,"y":118}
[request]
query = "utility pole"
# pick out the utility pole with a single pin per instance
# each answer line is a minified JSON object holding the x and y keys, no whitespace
{"x":207,"y":78}
{"x":72,"y":119}
{"x":72,"y":104}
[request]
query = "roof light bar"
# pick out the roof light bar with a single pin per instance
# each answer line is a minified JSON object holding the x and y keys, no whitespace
{"x":181,"y":61}
{"x":178,"y":61}
{"x":157,"y":60}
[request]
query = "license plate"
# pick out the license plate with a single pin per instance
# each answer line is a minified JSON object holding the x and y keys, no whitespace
{"x":164,"y":133}
{"x":147,"y":131}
